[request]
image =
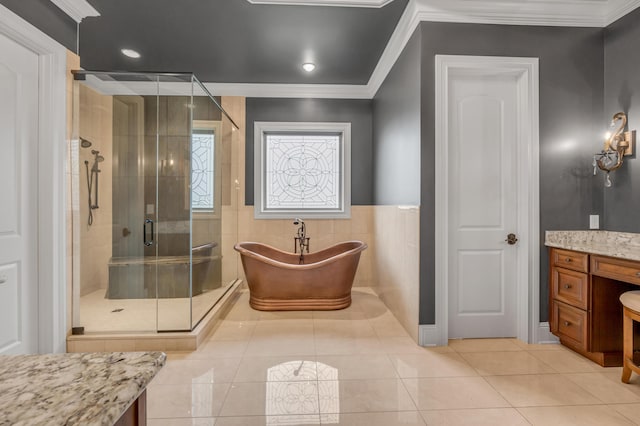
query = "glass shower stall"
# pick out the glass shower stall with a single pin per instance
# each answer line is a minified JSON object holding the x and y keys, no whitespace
{"x":150,"y":162}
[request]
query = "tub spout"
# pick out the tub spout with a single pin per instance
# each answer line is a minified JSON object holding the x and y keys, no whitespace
{"x":300,"y":240}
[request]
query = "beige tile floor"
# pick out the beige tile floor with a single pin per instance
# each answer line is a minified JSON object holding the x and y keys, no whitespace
{"x":358,"y":367}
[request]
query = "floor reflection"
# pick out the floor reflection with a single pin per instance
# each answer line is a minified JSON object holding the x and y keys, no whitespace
{"x":202,"y":395}
{"x":302,"y":401}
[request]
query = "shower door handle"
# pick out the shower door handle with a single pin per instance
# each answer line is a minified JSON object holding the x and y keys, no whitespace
{"x":144,"y":233}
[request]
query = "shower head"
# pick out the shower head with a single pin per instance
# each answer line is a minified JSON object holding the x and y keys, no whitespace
{"x":85,"y":143}
{"x":99,"y":158}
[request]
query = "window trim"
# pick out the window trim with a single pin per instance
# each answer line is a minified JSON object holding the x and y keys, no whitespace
{"x":261,"y":128}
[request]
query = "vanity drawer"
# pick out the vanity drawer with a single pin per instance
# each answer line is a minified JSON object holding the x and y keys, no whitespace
{"x":570,"y":259}
{"x":618,"y":269}
{"x":572,"y":324}
{"x":570,"y":287}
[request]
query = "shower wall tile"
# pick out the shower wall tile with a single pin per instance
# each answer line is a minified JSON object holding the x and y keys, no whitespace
{"x":232,"y":159}
{"x":204,"y":109}
{"x":95,"y":125}
{"x":178,"y":116}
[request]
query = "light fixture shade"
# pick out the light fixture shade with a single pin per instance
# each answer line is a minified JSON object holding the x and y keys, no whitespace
{"x":308,"y":66}
{"x":130,"y":53}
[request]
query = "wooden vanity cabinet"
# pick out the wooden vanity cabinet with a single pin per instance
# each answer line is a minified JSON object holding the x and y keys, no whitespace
{"x":570,"y":297}
{"x":585,"y":311}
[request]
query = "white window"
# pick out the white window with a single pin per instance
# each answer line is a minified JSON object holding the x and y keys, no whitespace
{"x":202,"y":178}
{"x":302,"y":169}
{"x":205,"y":168}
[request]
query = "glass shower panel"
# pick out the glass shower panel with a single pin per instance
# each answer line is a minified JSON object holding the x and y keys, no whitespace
{"x":152,"y":178}
{"x":206,"y":206}
{"x":114,"y":288}
{"x":173,"y":203}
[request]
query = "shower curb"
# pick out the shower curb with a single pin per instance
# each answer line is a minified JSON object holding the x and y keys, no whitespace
{"x":166,"y":342}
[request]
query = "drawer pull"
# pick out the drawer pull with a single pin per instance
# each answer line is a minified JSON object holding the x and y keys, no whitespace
{"x":567,"y":323}
{"x":567,"y":286}
{"x":637,"y":274}
{"x":568,"y":260}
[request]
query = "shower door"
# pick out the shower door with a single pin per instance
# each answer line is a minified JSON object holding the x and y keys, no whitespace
{"x":132,"y":270}
{"x":150,"y":270}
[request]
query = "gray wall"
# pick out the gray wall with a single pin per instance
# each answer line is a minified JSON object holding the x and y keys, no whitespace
{"x":571,"y":111}
{"x":48,"y":18}
{"x":355,"y":111}
{"x":396,"y":130}
{"x":622,"y":93}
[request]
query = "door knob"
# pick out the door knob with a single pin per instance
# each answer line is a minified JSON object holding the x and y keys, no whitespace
{"x":511,"y":239}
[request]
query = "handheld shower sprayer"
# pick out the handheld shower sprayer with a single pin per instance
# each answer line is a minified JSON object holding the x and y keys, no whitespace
{"x":91,"y":187}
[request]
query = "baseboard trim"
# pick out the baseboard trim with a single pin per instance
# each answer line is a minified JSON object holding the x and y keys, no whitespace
{"x":429,"y":335}
{"x":544,"y":334}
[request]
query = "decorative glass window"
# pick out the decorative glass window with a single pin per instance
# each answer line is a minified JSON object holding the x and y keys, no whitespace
{"x":202,"y":178}
{"x":302,"y":169}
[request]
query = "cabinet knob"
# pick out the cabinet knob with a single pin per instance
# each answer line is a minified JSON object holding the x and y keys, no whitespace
{"x":568,"y":260}
{"x":637,"y":274}
{"x":567,"y":286}
{"x":567,"y":323}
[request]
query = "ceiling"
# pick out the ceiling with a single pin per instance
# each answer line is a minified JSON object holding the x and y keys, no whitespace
{"x":231,"y":41}
{"x":257,"y":47}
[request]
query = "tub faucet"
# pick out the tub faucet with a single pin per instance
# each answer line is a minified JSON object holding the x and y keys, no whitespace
{"x":300,"y":240}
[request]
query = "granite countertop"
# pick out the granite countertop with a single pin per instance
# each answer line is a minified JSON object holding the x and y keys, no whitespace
{"x":73,"y":389}
{"x":623,"y":245}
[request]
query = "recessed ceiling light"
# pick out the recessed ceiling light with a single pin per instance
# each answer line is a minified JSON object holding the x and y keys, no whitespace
{"x":308,"y":66}
{"x":130,"y":53}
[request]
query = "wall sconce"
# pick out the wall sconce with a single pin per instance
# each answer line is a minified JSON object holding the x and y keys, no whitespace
{"x":617,"y":145}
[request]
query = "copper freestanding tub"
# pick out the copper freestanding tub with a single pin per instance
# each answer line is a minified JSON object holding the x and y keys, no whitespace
{"x":279,"y":282}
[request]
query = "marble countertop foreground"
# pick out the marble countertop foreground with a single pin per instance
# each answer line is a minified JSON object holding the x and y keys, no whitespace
{"x":623,"y":245}
{"x":73,"y":389}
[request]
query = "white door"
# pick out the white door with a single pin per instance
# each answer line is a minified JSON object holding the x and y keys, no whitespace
{"x":483,"y":137}
{"x":18,"y":198}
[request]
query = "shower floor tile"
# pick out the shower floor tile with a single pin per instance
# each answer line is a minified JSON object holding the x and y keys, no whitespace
{"x":99,"y":314}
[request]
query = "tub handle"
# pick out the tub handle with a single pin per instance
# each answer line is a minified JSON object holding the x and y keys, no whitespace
{"x":144,"y":233}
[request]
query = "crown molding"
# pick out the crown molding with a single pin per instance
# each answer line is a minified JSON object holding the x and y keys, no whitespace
{"x":407,"y":24}
{"x":332,"y":91}
{"x":566,"y":13}
{"x":76,"y":9}
{"x":340,"y":3}
{"x":625,"y":7}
